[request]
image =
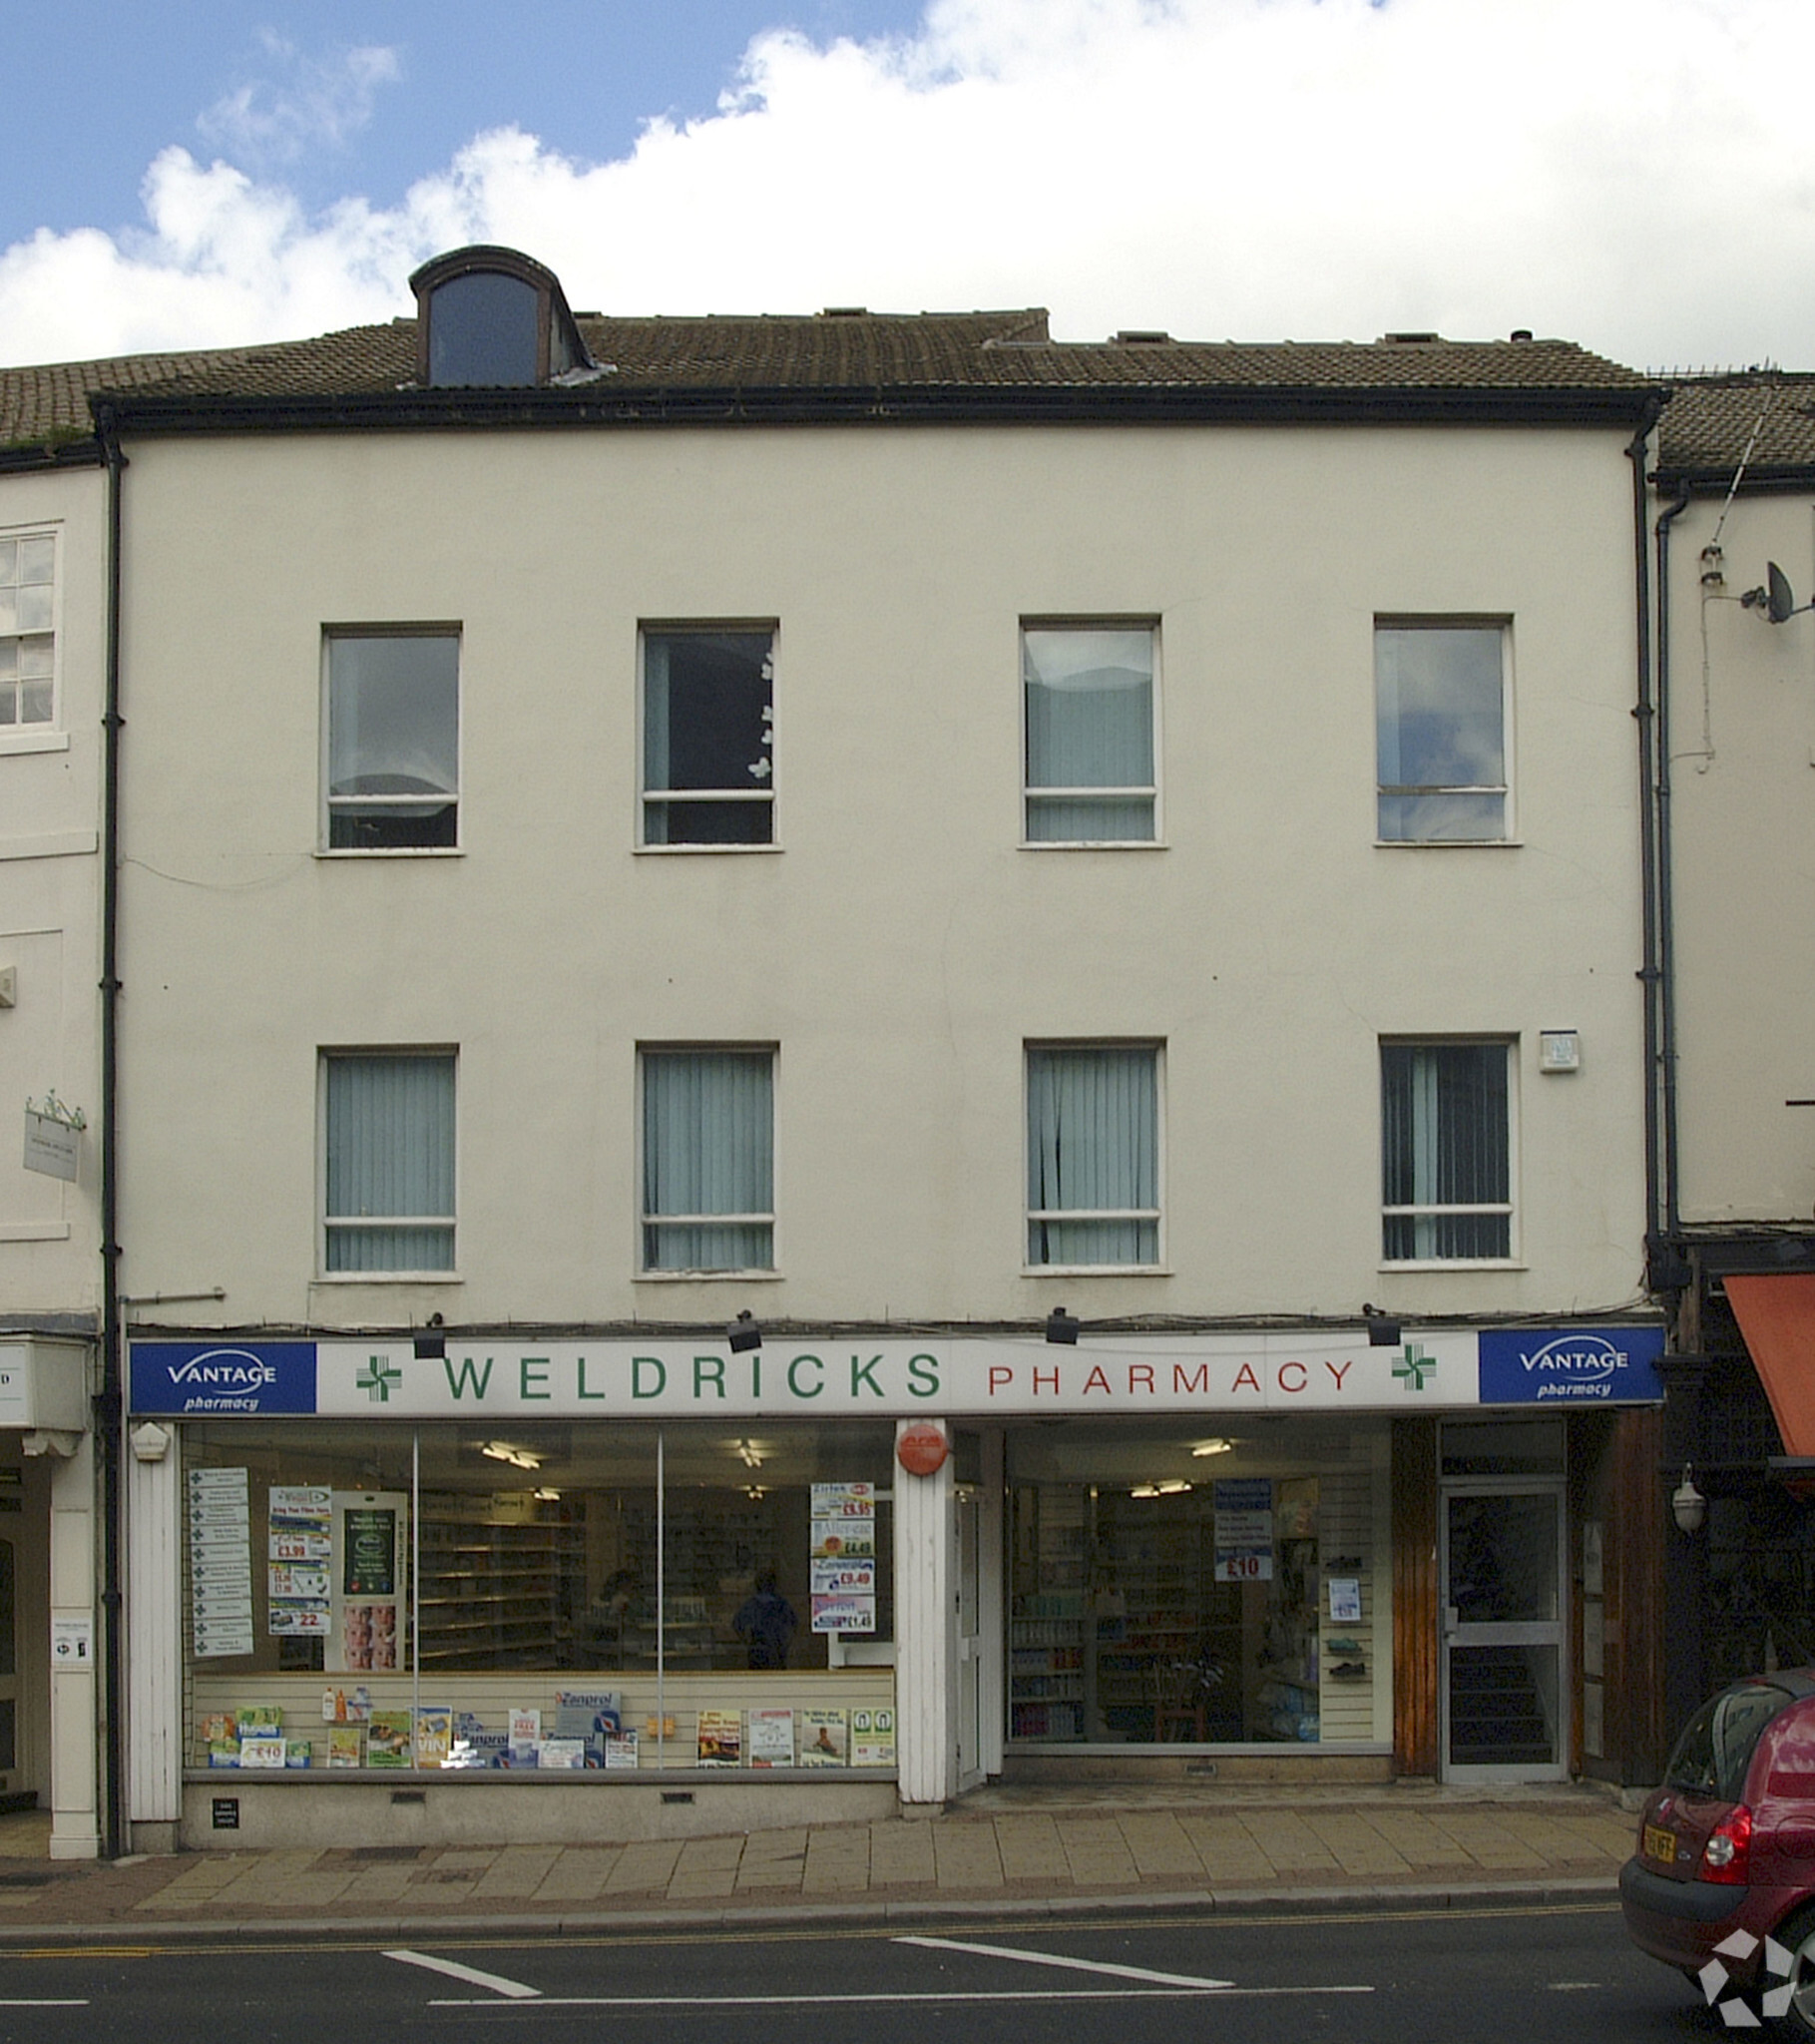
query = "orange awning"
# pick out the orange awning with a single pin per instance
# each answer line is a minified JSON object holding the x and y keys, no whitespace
{"x":1777,"y":1317}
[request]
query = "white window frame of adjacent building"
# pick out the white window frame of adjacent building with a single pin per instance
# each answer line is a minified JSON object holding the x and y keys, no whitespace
{"x":388,"y":1157}
{"x":1447,"y":1150}
{"x":30,"y":636}
{"x":1443,"y":730}
{"x":706,"y":1162}
{"x":719,"y":795}
{"x":390,"y":740}
{"x":1090,"y":731}
{"x":1095,"y":1168}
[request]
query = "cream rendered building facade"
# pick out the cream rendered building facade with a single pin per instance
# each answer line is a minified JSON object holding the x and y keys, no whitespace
{"x":53,"y":554}
{"x":902,"y":957}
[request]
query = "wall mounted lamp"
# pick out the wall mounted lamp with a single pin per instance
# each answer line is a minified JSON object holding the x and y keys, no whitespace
{"x":1688,"y":1505}
{"x":1383,"y":1331}
{"x":1061,"y":1328}
{"x":743,"y":1334}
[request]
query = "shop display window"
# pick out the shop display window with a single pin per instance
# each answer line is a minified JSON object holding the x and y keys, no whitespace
{"x":686,"y":1592}
{"x":1209,"y":1588}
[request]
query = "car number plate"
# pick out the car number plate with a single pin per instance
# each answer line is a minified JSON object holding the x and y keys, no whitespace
{"x":1659,"y":1845}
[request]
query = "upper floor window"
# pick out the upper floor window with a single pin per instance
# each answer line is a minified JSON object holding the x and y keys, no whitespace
{"x":1088,"y":710}
{"x":393,"y":738}
{"x":28,"y":637}
{"x":708,"y":1160}
{"x":1093,"y":1154}
{"x":708,"y":755}
{"x":1441,"y":727}
{"x":493,"y":317}
{"x":1445,"y":1152}
{"x":388,"y":1162}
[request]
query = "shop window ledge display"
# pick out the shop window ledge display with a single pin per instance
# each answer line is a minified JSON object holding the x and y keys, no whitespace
{"x":564,"y":1602}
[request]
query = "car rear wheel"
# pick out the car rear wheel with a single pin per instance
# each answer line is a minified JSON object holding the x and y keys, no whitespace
{"x":1797,"y":1936}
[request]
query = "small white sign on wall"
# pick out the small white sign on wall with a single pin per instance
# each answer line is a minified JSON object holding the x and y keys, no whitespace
{"x":71,"y":1641}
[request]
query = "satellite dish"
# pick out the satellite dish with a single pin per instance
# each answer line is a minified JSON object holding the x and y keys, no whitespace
{"x":1779,"y":603}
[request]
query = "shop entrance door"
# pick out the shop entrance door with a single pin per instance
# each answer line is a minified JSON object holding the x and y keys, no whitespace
{"x":968,"y":1506}
{"x":1505,"y":1689}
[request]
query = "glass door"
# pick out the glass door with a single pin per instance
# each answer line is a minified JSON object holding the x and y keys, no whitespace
{"x":967,"y":1505}
{"x":1504,"y":1687}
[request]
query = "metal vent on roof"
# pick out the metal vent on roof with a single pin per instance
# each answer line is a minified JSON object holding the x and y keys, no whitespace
{"x":1140,"y":336}
{"x":845,"y":313}
{"x":1411,"y":336}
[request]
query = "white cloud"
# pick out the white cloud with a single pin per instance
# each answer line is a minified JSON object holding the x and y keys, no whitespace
{"x":312,"y":101}
{"x":1634,"y":174}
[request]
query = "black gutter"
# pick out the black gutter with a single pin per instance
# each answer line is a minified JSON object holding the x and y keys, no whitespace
{"x":110,"y":1403}
{"x":1760,"y":480}
{"x":1667,"y":920}
{"x":918,"y":404}
{"x":31,"y":457}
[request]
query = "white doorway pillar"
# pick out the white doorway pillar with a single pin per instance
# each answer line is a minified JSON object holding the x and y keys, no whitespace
{"x":74,"y":1774}
{"x":926,"y":1632}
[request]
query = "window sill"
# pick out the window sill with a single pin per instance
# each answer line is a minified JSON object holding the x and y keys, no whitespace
{"x":708,"y":1277}
{"x":671,"y":850}
{"x":1094,"y":844}
{"x":1097,"y":1270}
{"x":340,"y":1277}
{"x":34,"y":742}
{"x":1457,"y":1263}
{"x":392,"y":852}
{"x":34,"y":1231}
{"x":1448,"y":843}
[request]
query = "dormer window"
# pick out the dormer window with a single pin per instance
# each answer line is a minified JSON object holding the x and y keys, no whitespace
{"x":493,"y":318}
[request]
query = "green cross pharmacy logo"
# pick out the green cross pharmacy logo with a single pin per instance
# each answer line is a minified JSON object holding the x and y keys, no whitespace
{"x":378,"y":1378}
{"x":1414,"y":1366}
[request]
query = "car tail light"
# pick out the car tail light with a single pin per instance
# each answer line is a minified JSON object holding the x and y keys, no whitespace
{"x":1728,"y":1854}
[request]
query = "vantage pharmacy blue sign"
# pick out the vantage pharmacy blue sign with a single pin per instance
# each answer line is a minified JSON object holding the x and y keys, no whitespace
{"x":235,"y":1378}
{"x":1574,"y":1366}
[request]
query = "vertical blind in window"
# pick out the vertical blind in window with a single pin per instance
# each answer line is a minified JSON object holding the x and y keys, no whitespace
{"x":391,"y":1162}
{"x":1092,"y":1156}
{"x":707,"y":1160}
{"x":1090,"y":727}
{"x":1443,"y":1143}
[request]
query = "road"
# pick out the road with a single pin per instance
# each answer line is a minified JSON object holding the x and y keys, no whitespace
{"x":1563,"y":1972}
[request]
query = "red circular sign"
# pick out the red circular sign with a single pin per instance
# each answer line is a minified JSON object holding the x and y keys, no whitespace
{"x":922,"y":1449}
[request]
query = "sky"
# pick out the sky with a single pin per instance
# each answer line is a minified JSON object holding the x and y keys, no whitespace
{"x":1634,"y":174}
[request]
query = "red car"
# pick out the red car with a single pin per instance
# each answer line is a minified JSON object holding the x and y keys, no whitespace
{"x":1722,"y":1885}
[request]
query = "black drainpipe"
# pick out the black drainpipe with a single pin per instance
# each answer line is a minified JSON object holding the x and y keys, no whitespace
{"x":1667,"y":948}
{"x":110,"y":1404}
{"x":1651,"y":972}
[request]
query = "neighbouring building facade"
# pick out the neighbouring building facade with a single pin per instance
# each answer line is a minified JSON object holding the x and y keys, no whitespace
{"x":1734,"y":512}
{"x":859,"y":1051}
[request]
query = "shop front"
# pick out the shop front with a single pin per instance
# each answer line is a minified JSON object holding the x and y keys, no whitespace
{"x":407,"y":1589}
{"x":47,"y":1582}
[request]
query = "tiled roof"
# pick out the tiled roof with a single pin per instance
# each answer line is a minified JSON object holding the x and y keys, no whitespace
{"x":1711,"y":422}
{"x":999,"y":352}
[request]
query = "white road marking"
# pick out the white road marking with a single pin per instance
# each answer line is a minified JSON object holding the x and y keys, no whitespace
{"x":21,"y":2003}
{"x":515,"y":1989}
{"x":896,"y":1999}
{"x":1004,"y":1951}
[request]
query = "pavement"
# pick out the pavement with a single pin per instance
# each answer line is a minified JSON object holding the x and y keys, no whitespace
{"x":1003,"y":1851}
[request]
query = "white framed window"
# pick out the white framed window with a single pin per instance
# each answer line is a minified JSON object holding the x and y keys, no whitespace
{"x":708,"y":734}
{"x":392,"y":738}
{"x":1088,"y":714}
{"x":709,"y":1159}
{"x":1441,"y":701}
{"x":387,"y":1163}
{"x":1446,"y":1144}
{"x":28,"y":632}
{"x":1093,"y":1155}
